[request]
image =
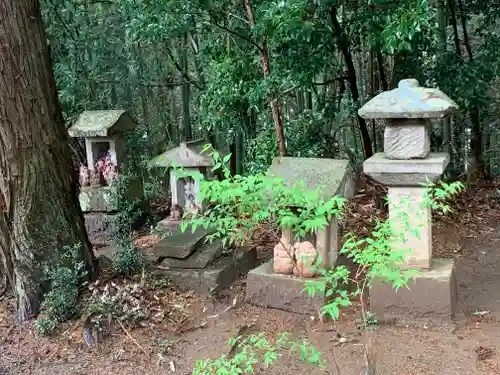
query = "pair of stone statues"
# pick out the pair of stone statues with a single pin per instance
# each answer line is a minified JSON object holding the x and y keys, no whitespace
{"x":298,"y":259}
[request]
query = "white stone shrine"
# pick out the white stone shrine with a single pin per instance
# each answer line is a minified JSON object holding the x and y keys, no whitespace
{"x":183,"y":162}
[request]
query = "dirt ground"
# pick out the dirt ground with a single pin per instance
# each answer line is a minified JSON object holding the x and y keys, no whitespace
{"x":470,"y":346}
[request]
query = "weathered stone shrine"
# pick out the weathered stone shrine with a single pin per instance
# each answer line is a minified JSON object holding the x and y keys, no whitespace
{"x":189,"y":156}
{"x":104,"y":136}
{"x":267,"y":288}
{"x":185,"y":257}
{"x":404,"y":166}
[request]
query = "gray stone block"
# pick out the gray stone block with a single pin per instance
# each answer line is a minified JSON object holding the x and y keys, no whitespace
{"x":215,"y":277}
{"x":405,"y":172}
{"x":99,"y":226}
{"x":283,"y":292}
{"x":430,"y":299}
{"x":407,"y":139}
{"x":203,"y":256}
{"x":180,"y":244}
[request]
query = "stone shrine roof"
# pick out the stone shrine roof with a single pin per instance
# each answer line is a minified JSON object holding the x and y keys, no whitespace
{"x":101,"y":123}
{"x":408,"y":100}
{"x":187,"y":155}
{"x":330,"y":175}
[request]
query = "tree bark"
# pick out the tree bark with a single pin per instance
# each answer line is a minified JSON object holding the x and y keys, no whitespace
{"x":38,"y":190}
{"x":266,"y":68}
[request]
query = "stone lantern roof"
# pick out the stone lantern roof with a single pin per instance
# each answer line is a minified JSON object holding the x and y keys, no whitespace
{"x":409,"y":101}
{"x":101,"y":124}
{"x":187,"y":155}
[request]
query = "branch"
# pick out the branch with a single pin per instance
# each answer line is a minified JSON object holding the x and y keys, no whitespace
{"x":152,"y":84}
{"x":342,"y":78}
{"x":232,"y":32}
{"x":179,"y":68}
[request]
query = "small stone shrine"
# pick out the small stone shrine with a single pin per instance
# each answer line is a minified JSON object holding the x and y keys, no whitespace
{"x":104,"y":135}
{"x":186,"y":257}
{"x":272,"y":284}
{"x":184,"y":189}
{"x":404,"y":166}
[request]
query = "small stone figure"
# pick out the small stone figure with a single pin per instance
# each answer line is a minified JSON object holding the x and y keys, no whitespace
{"x":91,"y":335}
{"x":96,"y":178}
{"x":189,"y":193}
{"x":176,"y":212}
{"x":84,"y":175}
{"x":110,"y":174}
{"x":283,"y":262}
{"x":305,"y":258}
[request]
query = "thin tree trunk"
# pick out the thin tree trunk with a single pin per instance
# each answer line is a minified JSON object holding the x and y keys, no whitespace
{"x":381,"y":71}
{"x":38,"y":189}
{"x":453,"y":16}
{"x":476,"y":141}
{"x":266,"y":68}
{"x":445,"y":123}
{"x":343,"y":44}
{"x":186,"y":94}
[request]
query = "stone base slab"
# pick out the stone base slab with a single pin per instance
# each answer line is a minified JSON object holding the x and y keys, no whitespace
{"x":283,"y":292}
{"x":220,"y":275}
{"x":406,"y":172}
{"x":431,"y":297}
{"x":99,"y":227}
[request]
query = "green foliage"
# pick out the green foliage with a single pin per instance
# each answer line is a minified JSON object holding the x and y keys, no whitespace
{"x":256,"y":350}
{"x":375,"y":255}
{"x":240,"y":204}
{"x":127,"y":260}
{"x":64,"y":275}
{"x":45,"y":326}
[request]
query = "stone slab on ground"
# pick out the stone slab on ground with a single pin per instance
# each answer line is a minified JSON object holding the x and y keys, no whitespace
{"x":283,"y":292}
{"x":217,"y":276}
{"x":99,"y":226}
{"x":430,"y":298}
{"x":180,"y":244}
{"x":202,"y":257}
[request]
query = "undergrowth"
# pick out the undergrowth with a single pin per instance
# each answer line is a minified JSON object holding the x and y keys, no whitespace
{"x":64,"y":276}
{"x":239,"y":205}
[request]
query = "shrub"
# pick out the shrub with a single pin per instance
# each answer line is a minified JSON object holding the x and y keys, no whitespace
{"x":64,"y":275}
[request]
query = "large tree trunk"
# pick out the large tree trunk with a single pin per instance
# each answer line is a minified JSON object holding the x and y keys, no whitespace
{"x":38,"y":192}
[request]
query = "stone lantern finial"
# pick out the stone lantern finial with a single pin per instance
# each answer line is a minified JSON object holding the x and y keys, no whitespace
{"x":407,"y":110}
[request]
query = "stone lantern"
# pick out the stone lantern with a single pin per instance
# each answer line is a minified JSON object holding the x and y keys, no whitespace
{"x":404,"y":166}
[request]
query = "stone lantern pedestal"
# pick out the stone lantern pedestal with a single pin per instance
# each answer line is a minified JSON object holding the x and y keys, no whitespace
{"x":404,"y":166}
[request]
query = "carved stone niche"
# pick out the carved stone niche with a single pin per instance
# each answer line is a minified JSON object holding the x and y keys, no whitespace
{"x":104,"y":136}
{"x":184,"y":162}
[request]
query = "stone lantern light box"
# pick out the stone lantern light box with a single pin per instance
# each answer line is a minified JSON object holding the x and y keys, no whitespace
{"x":104,"y":136}
{"x":184,"y":188}
{"x":408,"y":110}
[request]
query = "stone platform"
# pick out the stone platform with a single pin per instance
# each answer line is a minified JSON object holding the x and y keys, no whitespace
{"x":216,"y":276}
{"x":430,"y":298}
{"x":283,"y":292}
